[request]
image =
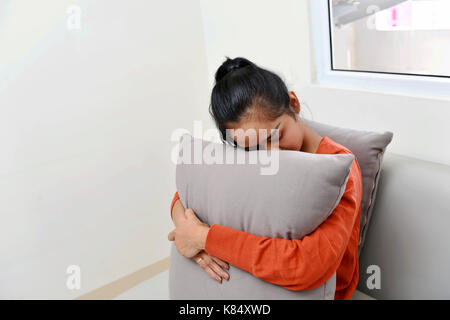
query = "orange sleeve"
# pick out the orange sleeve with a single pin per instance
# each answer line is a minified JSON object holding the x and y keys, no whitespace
{"x":175,"y":198}
{"x":299,"y":264}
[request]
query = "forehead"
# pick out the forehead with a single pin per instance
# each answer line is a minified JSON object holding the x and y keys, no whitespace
{"x":251,"y":132}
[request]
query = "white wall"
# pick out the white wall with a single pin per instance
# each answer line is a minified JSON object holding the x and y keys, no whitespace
{"x":271,"y":33}
{"x":86,"y":117}
{"x":277,"y":36}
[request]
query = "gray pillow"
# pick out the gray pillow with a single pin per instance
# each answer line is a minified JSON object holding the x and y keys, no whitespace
{"x":288,"y":204}
{"x":368,"y":147}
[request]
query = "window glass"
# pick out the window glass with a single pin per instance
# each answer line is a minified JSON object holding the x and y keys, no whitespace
{"x":391,"y":36}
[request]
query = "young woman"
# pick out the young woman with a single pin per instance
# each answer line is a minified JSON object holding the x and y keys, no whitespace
{"x":246,"y":96}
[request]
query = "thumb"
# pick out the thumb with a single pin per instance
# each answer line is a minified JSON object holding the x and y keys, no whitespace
{"x":171,"y":235}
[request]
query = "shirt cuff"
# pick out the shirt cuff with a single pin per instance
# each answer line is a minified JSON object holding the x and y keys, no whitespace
{"x":175,"y":198}
{"x":218,"y":242}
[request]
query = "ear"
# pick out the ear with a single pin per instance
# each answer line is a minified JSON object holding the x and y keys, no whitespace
{"x":293,"y":101}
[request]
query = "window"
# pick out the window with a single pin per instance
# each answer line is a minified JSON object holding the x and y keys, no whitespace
{"x":400,"y":46}
{"x":404,"y":37}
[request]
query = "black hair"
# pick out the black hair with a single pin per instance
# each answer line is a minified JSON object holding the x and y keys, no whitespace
{"x":240,"y":85}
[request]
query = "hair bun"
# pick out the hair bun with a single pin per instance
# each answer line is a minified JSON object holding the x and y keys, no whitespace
{"x":230,"y":65}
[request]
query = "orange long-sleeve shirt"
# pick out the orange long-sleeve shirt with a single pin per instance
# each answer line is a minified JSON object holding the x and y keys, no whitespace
{"x":301,"y":264}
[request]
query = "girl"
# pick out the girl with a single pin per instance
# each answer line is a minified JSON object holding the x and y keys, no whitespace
{"x":246,"y":96}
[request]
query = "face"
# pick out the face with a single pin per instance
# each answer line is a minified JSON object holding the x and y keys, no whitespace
{"x":255,"y":131}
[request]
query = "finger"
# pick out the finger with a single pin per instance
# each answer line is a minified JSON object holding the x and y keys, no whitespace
{"x":221,"y":263}
{"x":171,"y":235}
{"x":218,"y":269}
{"x":213,"y":275}
{"x":214,"y":266}
{"x":204,"y":265}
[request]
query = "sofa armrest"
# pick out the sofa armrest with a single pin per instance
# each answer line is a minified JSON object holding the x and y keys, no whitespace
{"x":409,"y":233}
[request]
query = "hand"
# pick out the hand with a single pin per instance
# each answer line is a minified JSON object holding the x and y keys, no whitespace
{"x":189,"y":235}
{"x":212,"y":265}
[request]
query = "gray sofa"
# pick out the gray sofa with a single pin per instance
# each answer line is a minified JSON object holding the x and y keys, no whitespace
{"x":409,"y":233}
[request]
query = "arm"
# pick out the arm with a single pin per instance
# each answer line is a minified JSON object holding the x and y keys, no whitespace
{"x":299,"y":264}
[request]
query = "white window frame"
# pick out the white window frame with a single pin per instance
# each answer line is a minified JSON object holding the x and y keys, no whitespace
{"x":387,"y":82}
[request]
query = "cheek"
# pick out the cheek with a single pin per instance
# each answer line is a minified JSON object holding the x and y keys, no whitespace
{"x":292,"y":140}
